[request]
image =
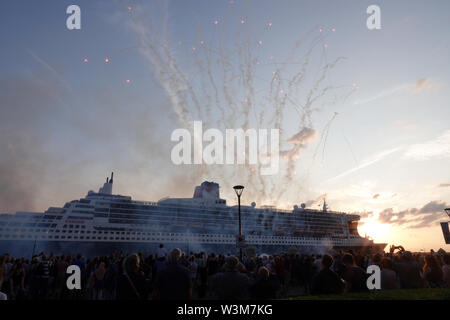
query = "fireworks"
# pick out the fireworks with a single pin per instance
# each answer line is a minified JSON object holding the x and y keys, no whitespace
{"x":228,"y":85}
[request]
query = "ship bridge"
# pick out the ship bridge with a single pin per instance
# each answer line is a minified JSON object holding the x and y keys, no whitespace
{"x":205,"y":194}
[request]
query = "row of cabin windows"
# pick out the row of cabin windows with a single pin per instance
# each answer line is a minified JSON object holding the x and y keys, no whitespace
{"x":112,"y":232}
{"x":71,"y":226}
{"x":24,"y":230}
{"x":93,"y":238}
{"x":138,"y":238}
{"x":102,"y":232}
{"x":72,"y":231}
{"x":31,"y":225}
{"x":127,"y":238}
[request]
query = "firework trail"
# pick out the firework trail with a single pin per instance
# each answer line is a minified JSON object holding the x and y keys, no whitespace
{"x":350,"y":148}
{"x":228,"y":81}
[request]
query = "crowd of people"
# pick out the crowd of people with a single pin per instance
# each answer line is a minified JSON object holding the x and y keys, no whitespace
{"x":175,"y":275}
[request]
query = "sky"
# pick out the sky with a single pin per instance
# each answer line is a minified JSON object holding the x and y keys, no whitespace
{"x":362,"y":113}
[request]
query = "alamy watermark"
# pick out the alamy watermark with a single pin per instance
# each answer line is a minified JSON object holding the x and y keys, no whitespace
{"x":73,"y":21}
{"x":74,"y":278}
{"x":374,"y":280}
{"x":374,"y":20}
{"x":234,"y":150}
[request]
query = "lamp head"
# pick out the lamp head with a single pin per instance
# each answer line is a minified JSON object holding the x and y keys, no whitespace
{"x":238,"y":190}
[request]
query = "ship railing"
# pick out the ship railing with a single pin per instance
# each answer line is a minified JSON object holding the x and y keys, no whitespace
{"x":232,"y":208}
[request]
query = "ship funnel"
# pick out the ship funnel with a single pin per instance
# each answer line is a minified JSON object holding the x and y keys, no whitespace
{"x":107,"y":186}
{"x":207,"y":190}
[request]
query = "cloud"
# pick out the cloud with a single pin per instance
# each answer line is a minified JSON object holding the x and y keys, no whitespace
{"x":413,"y":217}
{"x":444,"y":185}
{"x":424,"y":84}
{"x":364,"y":214}
{"x":433,"y":207}
{"x":399,"y":218}
{"x":435,"y":148}
{"x":386,"y":215}
{"x":427,"y":220}
{"x":372,"y":160}
{"x":406,"y":125}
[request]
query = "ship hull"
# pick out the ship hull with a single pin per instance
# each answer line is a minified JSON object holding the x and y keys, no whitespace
{"x":26,"y":248}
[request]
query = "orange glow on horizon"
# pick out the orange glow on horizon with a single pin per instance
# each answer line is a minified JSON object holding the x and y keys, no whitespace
{"x":379,"y":232}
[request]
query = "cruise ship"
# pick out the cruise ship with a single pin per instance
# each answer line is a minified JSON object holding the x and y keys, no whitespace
{"x":103,"y":222}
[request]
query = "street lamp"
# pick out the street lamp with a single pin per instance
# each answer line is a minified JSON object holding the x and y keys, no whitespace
{"x":447,"y":211}
{"x":238,"y":189}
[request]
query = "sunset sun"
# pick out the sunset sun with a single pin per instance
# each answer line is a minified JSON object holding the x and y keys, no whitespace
{"x":374,"y":229}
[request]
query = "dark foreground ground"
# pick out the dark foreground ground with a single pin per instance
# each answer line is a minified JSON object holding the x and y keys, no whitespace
{"x":409,"y":294}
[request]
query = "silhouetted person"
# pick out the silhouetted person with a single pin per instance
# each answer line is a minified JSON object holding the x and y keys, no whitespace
{"x":230,"y":284}
{"x":161,"y":253}
{"x":327,"y":281}
{"x":446,"y":270}
{"x":202,"y":275}
{"x":432,"y":272}
{"x":265,"y":287}
{"x":409,"y":272}
{"x":355,"y":277}
{"x":44,"y":276}
{"x":131,"y":284}
{"x":389,"y":278}
{"x":173,"y":283}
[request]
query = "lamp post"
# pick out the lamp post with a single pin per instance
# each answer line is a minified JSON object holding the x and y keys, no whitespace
{"x":238,"y":189}
{"x":34,"y":247}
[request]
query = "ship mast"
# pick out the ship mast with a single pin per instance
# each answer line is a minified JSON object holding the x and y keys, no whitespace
{"x":325,"y":206}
